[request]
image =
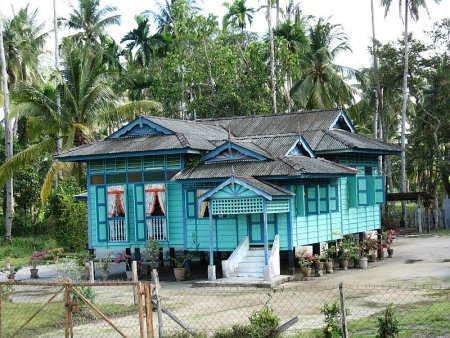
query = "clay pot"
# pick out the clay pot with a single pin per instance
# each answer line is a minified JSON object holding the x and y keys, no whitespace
{"x":34,"y":273}
{"x":319,"y":268}
{"x":179,"y":273}
{"x":306,"y":273}
{"x":329,"y":267}
{"x":390,"y":252}
{"x":343,"y":264}
{"x":372,"y":258}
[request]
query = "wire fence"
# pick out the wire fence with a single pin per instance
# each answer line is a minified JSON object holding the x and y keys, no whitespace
{"x":210,"y":312}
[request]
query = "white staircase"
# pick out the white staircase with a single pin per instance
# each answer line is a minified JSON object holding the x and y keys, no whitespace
{"x":251,"y":265}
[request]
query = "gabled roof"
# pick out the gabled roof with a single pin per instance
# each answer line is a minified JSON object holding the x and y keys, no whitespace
{"x":264,"y":189}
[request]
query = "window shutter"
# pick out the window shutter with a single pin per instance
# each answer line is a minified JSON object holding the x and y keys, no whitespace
{"x":352,"y":192}
{"x":300,"y":192}
{"x":102,"y":225}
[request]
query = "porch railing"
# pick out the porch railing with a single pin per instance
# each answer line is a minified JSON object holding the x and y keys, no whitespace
{"x":156,"y":228}
{"x":117,"y":230}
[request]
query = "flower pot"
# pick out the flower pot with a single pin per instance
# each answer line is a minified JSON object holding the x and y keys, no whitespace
{"x":129,"y":275}
{"x":179,"y":273}
{"x":329,"y":267}
{"x":34,"y":273}
{"x":355,"y":263}
{"x":319,"y":268}
{"x":343,"y":264}
{"x":363,"y":263}
{"x":372,"y":257}
{"x":306,"y":273}
{"x":380,"y":255}
{"x":390,"y":252}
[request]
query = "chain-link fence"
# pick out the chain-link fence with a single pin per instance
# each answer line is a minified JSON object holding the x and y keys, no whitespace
{"x":116,"y":309}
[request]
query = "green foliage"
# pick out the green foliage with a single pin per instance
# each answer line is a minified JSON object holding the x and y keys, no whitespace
{"x":263,"y":323}
{"x":67,"y":217}
{"x":333,"y":326}
{"x":7,"y":290}
{"x":152,"y":248}
{"x":23,"y":247}
{"x":388,"y":323}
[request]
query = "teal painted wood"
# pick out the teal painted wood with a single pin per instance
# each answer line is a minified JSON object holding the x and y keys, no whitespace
{"x":175,"y":215}
{"x":93,"y":216}
{"x":131,"y":214}
{"x":101,"y":221}
{"x":140,"y":212}
{"x":233,"y":191}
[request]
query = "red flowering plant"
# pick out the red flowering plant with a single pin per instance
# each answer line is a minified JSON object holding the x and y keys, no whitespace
{"x":124,"y":258}
{"x":38,"y":257}
{"x":368,"y":246}
{"x":305,"y":260}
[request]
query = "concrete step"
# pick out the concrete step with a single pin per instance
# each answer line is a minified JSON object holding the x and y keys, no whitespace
{"x":244,"y":264}
{"x":248,"y":274}
{"x":253,"y":269}
{"x":252,"y":259}
{"x":256,"y":253}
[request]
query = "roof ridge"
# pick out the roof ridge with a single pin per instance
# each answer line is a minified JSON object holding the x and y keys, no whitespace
{"x":338,"y":164}
{"x":299,"y":112}
{"x":294,"y":166}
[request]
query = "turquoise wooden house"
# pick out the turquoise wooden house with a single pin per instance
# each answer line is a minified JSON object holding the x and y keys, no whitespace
{"x":267,"y":182}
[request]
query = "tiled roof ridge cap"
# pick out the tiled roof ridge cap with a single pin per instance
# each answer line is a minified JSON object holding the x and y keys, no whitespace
{"x":299,"y":112}
{"x":338,"y":164}
{"x":243,"y":138}
{"x":294,"y":166}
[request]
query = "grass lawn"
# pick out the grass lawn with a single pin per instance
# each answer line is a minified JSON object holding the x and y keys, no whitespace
{"x":424,"y":319}
{"x":19,"y":250}
{"x":52,"y":317}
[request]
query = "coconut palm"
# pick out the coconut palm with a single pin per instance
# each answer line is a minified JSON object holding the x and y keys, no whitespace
{"x":410,"y":8}
{"x":91,"y":21}
{"x":238,"y":15}
{"x":322,"y":84}
{"x":24,"y":41}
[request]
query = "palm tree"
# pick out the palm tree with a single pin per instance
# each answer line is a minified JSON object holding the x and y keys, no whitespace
{"x":142,"y":41}
{"x":411,"y":7}
{"x":24,"y":41}
{"x":8,"y":139}
{"x":238,"y":15}
{"x":322,"y":84}
{"x":91,"y":21}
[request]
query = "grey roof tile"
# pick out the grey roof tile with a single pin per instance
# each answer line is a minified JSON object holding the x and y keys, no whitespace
{"x":269,"y":188}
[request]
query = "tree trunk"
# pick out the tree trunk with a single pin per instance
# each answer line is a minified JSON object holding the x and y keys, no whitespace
{"x":8,"y":140}
{"x":58,"y":97}
{"x":272,"y":58}
{"x":404,"y":101}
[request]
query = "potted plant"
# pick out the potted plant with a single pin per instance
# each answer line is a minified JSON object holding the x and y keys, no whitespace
{"x":105,"y":261}
{"x":152,"y":248}
{"x":12,"y":272}
{"x":318,"y":264}
{"x":369,"y":246}
{"x":127,"y":259}
{"x":389,"y":236}
{"x":305,"y":261}
{"x":38,"y":257}
{"x":179,"y":270}
{"x":329,"y":257}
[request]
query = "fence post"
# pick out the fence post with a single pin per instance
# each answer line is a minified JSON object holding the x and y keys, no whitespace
{"x":91,"y":272}
{"x":158,"y":302}
{"x":140,"y":308}
{"x":68,"y":312}
{"x":343,"y":312}
{"x":134,"y":278}
{"x":148,"y":309}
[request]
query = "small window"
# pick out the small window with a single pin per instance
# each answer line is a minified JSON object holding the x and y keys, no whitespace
{"x":97,"y":179}
{"x":115,"y":178}
{"x":203,"y":207}
{"x":363,"y":187}
{"x":334,"y":201}
{"x":379,"y":190}
{"x":154,"y":162}
{"x":134,"y":164}
{"x":191,"y":203}
{"x":173,"y":161}
{"x":97,"y":166}
{"x":154,"y":176}
{"x":323,"y":201}
{"x":311,"y":200}
{"x":134,"y":177}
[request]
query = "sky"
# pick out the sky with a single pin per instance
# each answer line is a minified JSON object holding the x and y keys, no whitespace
{"x":353,"y":15}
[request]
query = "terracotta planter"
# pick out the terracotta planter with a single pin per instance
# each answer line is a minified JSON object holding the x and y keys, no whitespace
{"x":372,"y":257}
{"x":319,"y":268}
{"x":343,"y":264}
{"x":390,"y":252}
{"x":329,"y":267}
{"x":363,"y":263}
{"x":380,"y":254}
{"x":306,"y":273}
{"x":179,"y":273}
{"x":34,"y":273}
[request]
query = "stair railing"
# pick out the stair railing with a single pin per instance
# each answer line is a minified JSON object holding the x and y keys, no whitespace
{"x":230,"y":265}
{"x":274,"y":260}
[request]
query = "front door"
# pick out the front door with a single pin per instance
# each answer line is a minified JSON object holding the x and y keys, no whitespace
{"x":256,"y":228}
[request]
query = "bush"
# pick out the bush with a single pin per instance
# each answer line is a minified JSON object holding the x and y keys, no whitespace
{"x":263,"y":324}
{"x":333,"y":327}
{"x":388,"y":324}
{"x":68,"y":217}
